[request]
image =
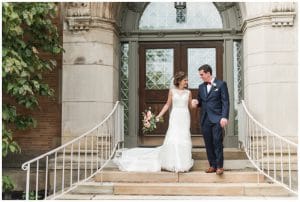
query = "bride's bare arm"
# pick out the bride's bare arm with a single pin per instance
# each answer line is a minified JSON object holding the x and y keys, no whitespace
{"x":190,"y":100}
{"x":166,"y":106}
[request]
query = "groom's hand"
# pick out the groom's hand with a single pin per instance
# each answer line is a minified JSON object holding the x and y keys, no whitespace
{"x":194,"y":103}
{"x":223,"y":122}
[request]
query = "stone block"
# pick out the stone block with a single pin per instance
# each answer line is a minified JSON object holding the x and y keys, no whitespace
{"x":88,"y":53}
{"x":85,"y":83}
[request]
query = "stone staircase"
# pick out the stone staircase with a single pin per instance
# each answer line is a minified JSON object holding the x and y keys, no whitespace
{"x":239,"y":179}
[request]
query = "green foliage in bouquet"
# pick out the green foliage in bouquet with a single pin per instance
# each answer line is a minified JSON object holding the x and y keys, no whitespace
{"x":149,"y":121}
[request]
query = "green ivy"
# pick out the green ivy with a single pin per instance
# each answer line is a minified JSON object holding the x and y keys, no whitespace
{"x":28,"y":33}
{"x":7,"y":184}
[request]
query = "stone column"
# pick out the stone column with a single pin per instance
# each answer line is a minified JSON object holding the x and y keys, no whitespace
{"x":230,"y":140}
{"x":131,"y":140}
{"x":270,"y":61}
{"x":90,"y":68}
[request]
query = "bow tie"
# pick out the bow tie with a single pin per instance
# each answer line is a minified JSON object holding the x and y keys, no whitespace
{"x":207,"y":83}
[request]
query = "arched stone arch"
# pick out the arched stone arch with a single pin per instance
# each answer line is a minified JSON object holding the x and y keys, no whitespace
{"x":230,"y":13}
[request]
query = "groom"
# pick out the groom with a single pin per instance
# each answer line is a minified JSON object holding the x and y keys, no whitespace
{"x":213,"y":99}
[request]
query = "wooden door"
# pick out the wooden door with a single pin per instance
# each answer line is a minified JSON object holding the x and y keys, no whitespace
{"x":158,"y":64}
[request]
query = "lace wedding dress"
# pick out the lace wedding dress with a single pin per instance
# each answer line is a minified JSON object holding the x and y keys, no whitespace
{"x":176,"y":152}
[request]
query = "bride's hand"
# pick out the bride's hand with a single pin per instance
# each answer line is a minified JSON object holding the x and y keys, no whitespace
{"x":157,"y":119}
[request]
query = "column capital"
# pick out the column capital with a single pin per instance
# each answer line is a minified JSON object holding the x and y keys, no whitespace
{"x":283,"y":14}
{"x":78,"y":16}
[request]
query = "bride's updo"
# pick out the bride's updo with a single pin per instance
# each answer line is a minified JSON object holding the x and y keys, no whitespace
{"x":179,"y":76}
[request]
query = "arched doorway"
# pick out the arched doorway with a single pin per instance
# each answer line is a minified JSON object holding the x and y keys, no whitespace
{"x":174,"y":49}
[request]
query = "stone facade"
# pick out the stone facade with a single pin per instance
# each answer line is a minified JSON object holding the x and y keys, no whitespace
{"x":87,"y":85}
{"x":91,"y":61}
{"x":270,"y":64}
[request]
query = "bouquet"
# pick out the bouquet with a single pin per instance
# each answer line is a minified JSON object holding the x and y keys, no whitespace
{"x":150,"y":120}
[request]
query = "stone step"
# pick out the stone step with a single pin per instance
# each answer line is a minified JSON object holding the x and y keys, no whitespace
{"x":285,"y":160}
{"x":73,"y":196}
{"x":203,"y":164}
{"x":198,"y":165}
{"x":177,"y":198}
{"x":94,"y":188}
{"x":188,"y":189}
{"x":229,"y":154}
{"x":270,"y":161}
{"x":177,"y":189}
{"x":292,"y":151}
{"x":260,"y":135}
{"x":197,"y":154}
{"x":164,"y":177}
{"x":285,"y":166}
{"x":228,"y":165}
{"x":277,"y":144}
{"x":285,"y":151}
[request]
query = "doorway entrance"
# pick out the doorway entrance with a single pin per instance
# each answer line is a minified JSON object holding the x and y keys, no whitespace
{"x":158,"y":63}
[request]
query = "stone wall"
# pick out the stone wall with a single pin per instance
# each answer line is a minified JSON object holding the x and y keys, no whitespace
{"x":270,"y":64}
{"x":90,"y":67}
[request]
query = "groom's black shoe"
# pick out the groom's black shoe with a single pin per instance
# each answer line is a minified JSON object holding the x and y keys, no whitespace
{"x":210,"y":170}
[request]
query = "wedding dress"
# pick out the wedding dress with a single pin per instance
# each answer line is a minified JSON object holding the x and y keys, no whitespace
{"x":176,"y":152}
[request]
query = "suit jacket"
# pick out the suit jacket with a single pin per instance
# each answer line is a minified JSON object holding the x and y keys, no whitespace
{"x":215,"y":103}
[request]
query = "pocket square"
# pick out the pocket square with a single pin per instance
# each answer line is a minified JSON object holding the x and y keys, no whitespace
{"x":216,"y":89}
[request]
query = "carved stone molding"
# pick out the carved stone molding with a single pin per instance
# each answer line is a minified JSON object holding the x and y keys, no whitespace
{"x":78,"y":16}
{"x":283,"y":20}
{"x":283,"y":7}
{"x":283,"y":14}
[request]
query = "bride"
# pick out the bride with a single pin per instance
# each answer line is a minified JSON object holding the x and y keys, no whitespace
{"x":175,"y":154}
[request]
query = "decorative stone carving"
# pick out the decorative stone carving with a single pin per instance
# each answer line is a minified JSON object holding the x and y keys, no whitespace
{"x":283,"y":14}
{"x":78,"y":16}
{"x":283,"y":7}
{"x":283,"y":20}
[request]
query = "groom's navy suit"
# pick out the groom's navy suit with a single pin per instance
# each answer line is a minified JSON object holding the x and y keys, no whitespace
{"x":214,"y":106}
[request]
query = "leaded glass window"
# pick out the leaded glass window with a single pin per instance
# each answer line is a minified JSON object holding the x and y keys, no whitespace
{"x":238,"y":80}
{"x":238,"y":75}
{"x":196,"y":58}
{"x":159,"y":68}
{"x":124,"y":84}
{"x":162,"y":15}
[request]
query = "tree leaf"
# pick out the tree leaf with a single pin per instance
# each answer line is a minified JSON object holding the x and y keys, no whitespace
{"x":27,"y":28}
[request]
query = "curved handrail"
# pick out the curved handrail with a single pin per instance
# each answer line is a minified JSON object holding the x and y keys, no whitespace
{"x":264,"y":149}
{"x":107,"y":137}
{"x":72,"y":141}
{"x":263,"y":127}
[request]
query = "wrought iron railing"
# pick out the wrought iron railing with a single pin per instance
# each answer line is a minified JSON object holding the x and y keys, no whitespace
{"x":271,"y":154}
{"x":61,"y":170}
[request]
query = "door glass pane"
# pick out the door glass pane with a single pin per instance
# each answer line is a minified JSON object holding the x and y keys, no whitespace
{"x":162,"y":15}
{"x":196,"y":58}
{"x":159,"y":68}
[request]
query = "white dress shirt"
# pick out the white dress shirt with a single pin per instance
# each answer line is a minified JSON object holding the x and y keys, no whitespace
{"x":209,"y":85}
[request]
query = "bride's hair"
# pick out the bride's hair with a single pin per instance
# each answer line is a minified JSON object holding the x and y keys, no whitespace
{"x":179,"y":76}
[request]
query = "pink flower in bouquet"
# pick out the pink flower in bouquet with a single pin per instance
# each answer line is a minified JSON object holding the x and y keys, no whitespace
{"x":149,"y":115}
{"x":149,"y":121}
{"x":147,"y":124}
